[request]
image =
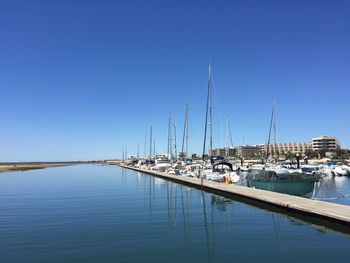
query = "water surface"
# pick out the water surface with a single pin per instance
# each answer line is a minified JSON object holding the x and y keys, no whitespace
{"x":89,"y":213}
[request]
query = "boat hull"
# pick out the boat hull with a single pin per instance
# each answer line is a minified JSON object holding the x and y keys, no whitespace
{"x":299,"y":188}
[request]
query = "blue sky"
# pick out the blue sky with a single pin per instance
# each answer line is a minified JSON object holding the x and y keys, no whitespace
{"x":81,"y":79}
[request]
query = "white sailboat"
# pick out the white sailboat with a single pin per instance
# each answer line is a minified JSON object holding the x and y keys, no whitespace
{"x":211,"y":172}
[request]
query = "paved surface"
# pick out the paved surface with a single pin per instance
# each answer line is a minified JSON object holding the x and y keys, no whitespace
{"x":324,"y":210}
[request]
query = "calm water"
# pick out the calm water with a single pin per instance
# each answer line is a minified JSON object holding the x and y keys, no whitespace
{"x":107,"y":214}
{"x":334,"y":189}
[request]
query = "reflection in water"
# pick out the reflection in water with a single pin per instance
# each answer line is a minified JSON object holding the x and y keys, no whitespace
{"x":334,"y":189}
{"x":220,"y":204}
{"x":185,"y":213}
{"x":159,"y":182}
{"x":151,"y":197}
{"x":177,"y":197}
{"x":175,"y":191}
{"x":172,"y":203}
{"x":206,"y":227}
{"x":277,"y":229}
{"x":126,"y":216}
{"x":179,"y":201}
{"x":124,"y":172}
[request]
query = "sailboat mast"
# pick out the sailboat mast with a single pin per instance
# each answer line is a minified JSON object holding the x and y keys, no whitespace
{"x":210,"y":116}
{"x":269,"y":138}
{"x":138,"y":151}
{"x":170,"y":150}
{"x":184,"y":150}
{"x":183,"y":136}
{"x":229,"y":132}
{"x":150,"y":143}
{"x":145,"y":150}
{"x":275,"y":136}
{"x":154,"y":147}
{"x":186,"y":131}
{"x":206,"y":115}
{"x":175,"y":141}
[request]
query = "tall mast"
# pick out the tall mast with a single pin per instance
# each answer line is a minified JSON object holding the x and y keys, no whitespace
{"x":154,"y":147}
{"x":175,"y":141}
{"x":206,"y":113}
{"x":210,"y":114}
{"x":138,"y":150}
{"x":269,"y":138}
{"x":229,"y":132}
{"x":183,"y":136}
{"x":186,"y":130}
{"x":170,"y":150}
{"x":274,"y":138}
{"x":184,"y":151}
{"x":124,"y":153}
{"x":274,"y":132}
{"x":145,"y":150}
{"x":150,"y":143}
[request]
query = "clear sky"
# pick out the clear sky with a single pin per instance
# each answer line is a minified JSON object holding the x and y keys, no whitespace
{"x":81,"y":79}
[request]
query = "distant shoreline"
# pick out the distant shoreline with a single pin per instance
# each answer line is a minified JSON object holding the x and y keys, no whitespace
{"x":10,"y":167}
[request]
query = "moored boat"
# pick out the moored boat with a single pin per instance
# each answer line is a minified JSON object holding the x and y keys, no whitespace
{"x":293,"y":184}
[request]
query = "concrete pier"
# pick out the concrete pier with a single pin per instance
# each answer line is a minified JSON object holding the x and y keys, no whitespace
{"x":334,"y":213}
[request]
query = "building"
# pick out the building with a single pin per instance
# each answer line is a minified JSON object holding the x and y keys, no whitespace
{"x":248,"y":151}
{"x":230,"y":151}
{"x":225,"y":152}
{"x":322,"y":143}
{"x":244,"y":150}
{"x":218,"y":152}
{"x":325,"y":143}
{"x":280,"y":149}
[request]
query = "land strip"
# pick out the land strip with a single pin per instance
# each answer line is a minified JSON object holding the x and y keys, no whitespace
{"x":10,"y":167}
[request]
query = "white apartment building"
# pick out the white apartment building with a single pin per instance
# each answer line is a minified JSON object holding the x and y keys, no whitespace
{"x":325,"y":143}
{"x":283,"y":148}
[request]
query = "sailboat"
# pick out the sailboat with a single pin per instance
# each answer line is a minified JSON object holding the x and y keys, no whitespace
{"x":276,"y":178}
{"x":271,"y":161}
{"x":211,"y":171}
{"x":293,"y":184}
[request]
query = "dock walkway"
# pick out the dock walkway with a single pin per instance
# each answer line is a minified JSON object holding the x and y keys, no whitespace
{"x":323,"y":210}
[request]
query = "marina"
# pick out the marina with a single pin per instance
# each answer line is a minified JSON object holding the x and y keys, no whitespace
{"x":283,"y":182}
{"x":290,"y":184}
{"x":174,"y":131}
